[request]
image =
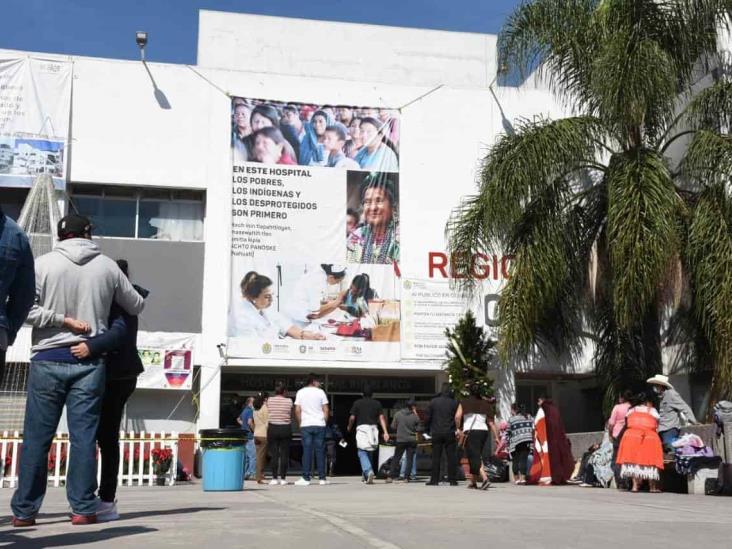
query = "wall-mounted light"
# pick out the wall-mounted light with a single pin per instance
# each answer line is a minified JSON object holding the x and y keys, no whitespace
{"x":141,"y":39}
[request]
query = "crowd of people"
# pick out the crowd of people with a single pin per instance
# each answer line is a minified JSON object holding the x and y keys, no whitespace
{"x":631,"y":452}
{"x":331,"y":136}
{"x":83,"y":310}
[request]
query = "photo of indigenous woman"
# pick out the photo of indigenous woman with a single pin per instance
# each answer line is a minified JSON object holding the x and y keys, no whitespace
{"x":376,"y":238}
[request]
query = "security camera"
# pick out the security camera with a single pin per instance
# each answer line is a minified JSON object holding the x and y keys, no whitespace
{"x":141,"y":39}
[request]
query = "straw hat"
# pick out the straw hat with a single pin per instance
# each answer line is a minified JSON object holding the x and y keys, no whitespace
{"x":659,"y":379}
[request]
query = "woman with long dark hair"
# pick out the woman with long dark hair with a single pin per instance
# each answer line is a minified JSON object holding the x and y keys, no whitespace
{"x":640,"y":455}
{"x":356,"y":300}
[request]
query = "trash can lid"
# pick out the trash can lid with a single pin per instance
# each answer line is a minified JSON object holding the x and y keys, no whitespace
{"x":226,"y":433}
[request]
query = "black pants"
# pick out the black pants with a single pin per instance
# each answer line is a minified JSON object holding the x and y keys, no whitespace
{"x":401,"y":447}
{"x":278,"y":442}
{"x":330,"y":456}
{"x":2,"y":366}
{"x":474,"y":450}
{"x":520,"y":458}
{"x":116,"y":393}
{"x":446,"y":442}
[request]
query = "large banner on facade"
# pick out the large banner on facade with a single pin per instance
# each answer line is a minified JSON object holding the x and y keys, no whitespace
{"x":315,"y":232}
{"x":35,"y":107}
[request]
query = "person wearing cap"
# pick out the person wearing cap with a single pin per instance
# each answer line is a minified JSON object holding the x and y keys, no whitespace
{"x":674,"y":411}
{"x":17,"y":283}
{"x":75,"y":288}
{"x":124,"y":365}
{"x":406,"y":423}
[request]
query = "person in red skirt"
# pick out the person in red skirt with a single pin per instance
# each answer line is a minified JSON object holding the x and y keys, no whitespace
{"x":640,"y":455}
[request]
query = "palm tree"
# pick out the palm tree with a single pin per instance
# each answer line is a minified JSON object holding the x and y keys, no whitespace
{"x":612,"y":237}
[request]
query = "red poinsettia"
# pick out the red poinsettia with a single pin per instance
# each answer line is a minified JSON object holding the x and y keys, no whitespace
{"x":162,"y":458}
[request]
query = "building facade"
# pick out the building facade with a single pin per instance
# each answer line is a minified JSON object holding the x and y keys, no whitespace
{"x":150,"y":161}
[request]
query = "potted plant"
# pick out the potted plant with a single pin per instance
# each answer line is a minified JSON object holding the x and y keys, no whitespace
{"x":469,"y":354}
{"x":162,"y":458}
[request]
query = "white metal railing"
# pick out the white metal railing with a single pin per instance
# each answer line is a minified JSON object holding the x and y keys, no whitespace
{"x":135,"y":464}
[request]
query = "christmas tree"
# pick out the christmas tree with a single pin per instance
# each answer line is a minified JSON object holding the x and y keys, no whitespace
{"x":469,"y":354}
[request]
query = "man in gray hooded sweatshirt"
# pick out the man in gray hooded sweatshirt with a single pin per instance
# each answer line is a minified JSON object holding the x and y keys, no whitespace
{"x":75,"y":288}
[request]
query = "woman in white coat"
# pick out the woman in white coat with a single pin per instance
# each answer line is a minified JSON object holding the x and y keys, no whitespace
{"x":255,"y":320}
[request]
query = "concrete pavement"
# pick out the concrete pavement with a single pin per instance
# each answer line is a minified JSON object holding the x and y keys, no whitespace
{"x":350,"y":514}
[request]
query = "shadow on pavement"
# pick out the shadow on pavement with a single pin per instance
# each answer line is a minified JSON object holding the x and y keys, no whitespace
{"x":150,"y":514}
{"x":15,"y":539}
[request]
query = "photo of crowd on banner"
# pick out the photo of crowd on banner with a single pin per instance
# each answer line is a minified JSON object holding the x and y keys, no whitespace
{"x":342,"y":136}
{"x":316,"y":302}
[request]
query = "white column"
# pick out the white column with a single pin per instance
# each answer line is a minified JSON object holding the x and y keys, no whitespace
{"x":210,"y":398}
{"x":505,"y":390}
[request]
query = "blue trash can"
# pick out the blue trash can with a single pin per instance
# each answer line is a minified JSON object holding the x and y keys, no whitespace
{"x":223,"y":459}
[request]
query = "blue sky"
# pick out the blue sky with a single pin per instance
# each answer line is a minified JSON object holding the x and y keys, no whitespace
{"x":104,"y":28}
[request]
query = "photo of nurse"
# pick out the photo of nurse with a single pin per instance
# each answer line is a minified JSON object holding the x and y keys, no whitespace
{"x":255,"y":319}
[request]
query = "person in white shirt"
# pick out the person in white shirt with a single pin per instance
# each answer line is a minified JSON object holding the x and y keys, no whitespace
{"x":312,"y":411}
{"x":254,"y":319}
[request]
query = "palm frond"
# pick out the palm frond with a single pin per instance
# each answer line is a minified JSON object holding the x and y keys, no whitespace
{"x":708,"y":159}
{"x":711,"y":108}
{"x":644,"y":231}
{"x":558,"y":36}
{"x":709,"y":256}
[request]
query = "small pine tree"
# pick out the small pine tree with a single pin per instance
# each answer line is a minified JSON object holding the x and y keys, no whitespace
{"x":469,"y":354}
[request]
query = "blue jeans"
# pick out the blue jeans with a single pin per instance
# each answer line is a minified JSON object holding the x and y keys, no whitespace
{"x":313,"y":438}
{"x":364,"y":456}
{"x":50,"y":386}
{"x":250,"y":459}
{"x":403,"y":467}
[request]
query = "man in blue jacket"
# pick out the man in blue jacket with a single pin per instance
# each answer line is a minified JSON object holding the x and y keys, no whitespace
{"x":123,"y":365}
{"x":17,"y":283}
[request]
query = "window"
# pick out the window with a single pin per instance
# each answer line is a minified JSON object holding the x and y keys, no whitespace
{"x":12,"y":200}
{"x":159,"y":214}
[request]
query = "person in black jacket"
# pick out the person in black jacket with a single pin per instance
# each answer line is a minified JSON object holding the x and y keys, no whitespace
{"x":123,"y":365}
{"x":440,"y":423}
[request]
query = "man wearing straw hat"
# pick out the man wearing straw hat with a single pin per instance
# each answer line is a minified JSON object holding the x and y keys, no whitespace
{"x":673,"y":410}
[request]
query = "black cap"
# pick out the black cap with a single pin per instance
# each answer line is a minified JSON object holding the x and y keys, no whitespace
{"x":74,"y":225}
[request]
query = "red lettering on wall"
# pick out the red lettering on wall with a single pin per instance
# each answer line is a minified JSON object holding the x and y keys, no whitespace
{"x":438,"y":261}
{"x":480,"y":267}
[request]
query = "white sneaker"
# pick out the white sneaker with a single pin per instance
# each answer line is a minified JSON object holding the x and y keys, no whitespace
{"x":302,"y":482}
{"x":324,"y":482}
{"x":107,"y":511}
{"x":274,"y":482}
{"x":370,"y":479}
{"x":283,"y":482}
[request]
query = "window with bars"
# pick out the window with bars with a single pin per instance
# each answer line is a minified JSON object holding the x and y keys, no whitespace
{"x":131,"y":212}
